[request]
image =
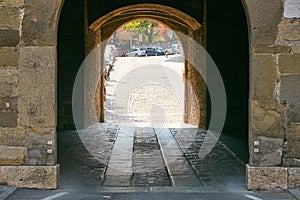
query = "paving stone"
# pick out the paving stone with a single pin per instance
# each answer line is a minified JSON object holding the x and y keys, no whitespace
{"x":213,"y":169}
{"x":148,"y":163}
{"x":185,"y":180}
{"x":117,"y":180}
{"x":85,"y":155}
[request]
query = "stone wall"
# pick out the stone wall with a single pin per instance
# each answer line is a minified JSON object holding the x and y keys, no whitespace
{"x":274,"y":94}
{"x":28,"y":89}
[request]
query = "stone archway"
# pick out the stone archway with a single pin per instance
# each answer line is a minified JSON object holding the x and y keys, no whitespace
{"x":100,"y":30}
{"x":30,"y":41}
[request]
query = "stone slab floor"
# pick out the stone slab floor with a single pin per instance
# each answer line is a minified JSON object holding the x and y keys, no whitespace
{"x":108,"y":155}
{"x":144,"y":142}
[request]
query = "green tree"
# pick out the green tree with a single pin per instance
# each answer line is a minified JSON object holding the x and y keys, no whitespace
{"x":146,"y":28}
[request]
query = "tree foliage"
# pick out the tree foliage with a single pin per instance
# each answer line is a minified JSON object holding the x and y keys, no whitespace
{"x":146,"y":28}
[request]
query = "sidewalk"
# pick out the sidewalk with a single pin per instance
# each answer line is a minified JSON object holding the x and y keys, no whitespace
{"x":6,"y":191}
{"x":295,"y":193}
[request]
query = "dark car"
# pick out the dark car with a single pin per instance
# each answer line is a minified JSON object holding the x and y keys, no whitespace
{"x":154,"y":51}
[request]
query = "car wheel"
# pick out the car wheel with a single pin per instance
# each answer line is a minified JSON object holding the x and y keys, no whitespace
{"x":156,"y":54}
{"x":136,"y":55}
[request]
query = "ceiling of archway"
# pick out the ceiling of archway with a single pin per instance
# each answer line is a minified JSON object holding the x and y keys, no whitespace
{"x":172,"y":17}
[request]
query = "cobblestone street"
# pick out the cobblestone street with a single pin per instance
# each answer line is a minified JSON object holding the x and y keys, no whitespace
{"x":144,"y":142}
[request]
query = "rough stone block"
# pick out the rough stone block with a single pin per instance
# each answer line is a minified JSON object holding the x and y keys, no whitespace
{"x":9,"y":75}
{"x":289,"y":63}
{"x":8,"y":118}
{"x":263,"y":77}
{"x":40,"y":177}
{"x":267,"y":119}
{"x":293,"y":177}
{"x":8,"y":103}
{"x":295,"y":49}
{"x":270,"y":152}
{"x":37,"y":146}
{"x":290,"y":162}
{"x":293,"y":132}
{"x":12,"y":155}
{"x":37,"y":100}
{"x":9,"y":56}
{"x":292,"y":9}
{"x":9,"y":175}
{"x":293,"y":113}
{"x":290,"y":90}
{"x":8,"y":90}
{"x":270,"y":49}
{"x":264,"y":16}
{"x":9,"y":37}
{"x":13,"y":137}
{"x":9,"y":17}
{"x":40,"y":22}
{"x":12,"y":3}
{"x":266,"y":178}
{"x":288,"y":32}
{"x":292,"y":146}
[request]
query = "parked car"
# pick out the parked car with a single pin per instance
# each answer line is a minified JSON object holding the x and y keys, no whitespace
{"x":154,"y":51}
{"x":143,"y":51}
{"x":135,"y":53}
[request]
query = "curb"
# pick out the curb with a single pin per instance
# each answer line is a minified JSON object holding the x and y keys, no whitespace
{"x":8,"y":190}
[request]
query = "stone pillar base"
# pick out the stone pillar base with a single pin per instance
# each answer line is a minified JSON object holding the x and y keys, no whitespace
{"x":272,"y":178}
{"x":40,"y":177}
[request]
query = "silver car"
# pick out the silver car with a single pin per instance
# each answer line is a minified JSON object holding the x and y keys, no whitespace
{"x":135,"y":52}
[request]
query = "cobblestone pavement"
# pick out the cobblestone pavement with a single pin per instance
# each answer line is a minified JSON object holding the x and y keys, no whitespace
{"x":219,"y":168}
{"x":84,"y":155}
{"x":145,"y":91}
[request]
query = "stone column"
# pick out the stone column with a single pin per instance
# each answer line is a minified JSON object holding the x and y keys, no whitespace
{"x":273,"y":94}
{"x":195,"y":87}
{"x":28,"y":85}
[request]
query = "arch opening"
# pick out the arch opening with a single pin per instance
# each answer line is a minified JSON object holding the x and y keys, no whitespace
{"x":101,"y":30}
{"x":151,"y":59}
